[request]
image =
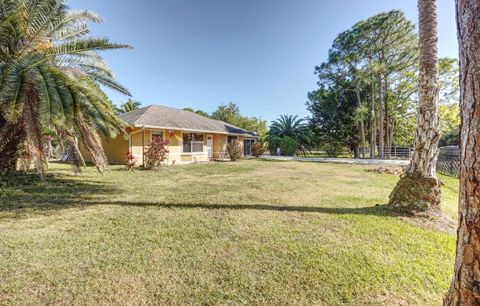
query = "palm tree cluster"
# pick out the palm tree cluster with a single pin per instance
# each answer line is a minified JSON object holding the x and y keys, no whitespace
{"x":293,"y":127}
{"x":128,"y":106}
{"x":50,"y":77}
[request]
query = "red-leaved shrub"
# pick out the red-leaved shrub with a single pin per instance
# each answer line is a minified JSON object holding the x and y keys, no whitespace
{"x":131,"y":160}
{"x":156,"y":154}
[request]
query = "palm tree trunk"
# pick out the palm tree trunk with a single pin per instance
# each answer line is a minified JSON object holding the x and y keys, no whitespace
{"x":12,"y":137}
{"x":464,"y":289}
{"x":419,"y":188}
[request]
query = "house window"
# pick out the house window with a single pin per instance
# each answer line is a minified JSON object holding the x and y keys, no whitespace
{"x":232,"y":139}
{"x":192,"y":142}
{"x":156,"y":135}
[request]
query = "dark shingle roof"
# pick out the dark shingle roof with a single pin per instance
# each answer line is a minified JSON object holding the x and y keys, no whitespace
{"x":159,"y":116}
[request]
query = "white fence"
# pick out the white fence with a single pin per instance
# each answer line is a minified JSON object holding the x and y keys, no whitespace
{"x":394,"y":152}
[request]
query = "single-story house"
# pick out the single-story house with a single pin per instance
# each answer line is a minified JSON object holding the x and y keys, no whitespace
{"x":191,"y":137}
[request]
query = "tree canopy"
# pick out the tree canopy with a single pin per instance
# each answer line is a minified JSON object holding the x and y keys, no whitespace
{"x":230,"y":113}
{"x":129,"y":106}
{"x":367,"y":92}
{"x":50,"y":72}
{"x":294,"y":129}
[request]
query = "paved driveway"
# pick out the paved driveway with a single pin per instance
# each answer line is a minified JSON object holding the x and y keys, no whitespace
{"x":354,"y":161}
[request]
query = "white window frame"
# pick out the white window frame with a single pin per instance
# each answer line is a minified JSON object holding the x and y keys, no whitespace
{"x":191,"y":147}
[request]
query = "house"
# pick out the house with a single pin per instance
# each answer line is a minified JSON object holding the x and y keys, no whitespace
{"x":191,"y":137}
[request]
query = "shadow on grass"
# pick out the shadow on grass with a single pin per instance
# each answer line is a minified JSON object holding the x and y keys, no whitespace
{"x":378,"y":210}
{"x":29,"y":196}
{"x":28,"y":193}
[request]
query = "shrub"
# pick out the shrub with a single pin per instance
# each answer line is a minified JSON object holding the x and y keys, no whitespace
{"x":234,"y":150}
{"x":288,"y":146}
{"x":258,"y":149}
{"x":273,"y":144}
{"x":333,"y":148}
{"x":156,"y":154}
{"x":130,"y":162}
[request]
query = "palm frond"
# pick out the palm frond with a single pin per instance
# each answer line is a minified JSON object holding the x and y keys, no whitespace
{"x":70,"y":147}
{"x":73,"y":18}
{"x":50,"y":76}
{"x":109,"y":82}
{"x":71,"y":32}
{"x":93,"y":144}
{"x":83,"y":45}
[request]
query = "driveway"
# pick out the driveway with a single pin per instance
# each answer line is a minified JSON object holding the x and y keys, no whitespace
{"x":353,"y":161}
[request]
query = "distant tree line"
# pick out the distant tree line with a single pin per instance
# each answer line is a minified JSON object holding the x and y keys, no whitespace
{"x":367,"y":89}
{"x":230,"y":113}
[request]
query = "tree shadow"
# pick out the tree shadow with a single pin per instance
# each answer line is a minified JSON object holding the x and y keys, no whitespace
{"x":377,"y":210}
{"x":30,"y":196}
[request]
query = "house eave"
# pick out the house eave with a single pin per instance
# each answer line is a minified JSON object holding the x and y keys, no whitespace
{"x":191,"y":130}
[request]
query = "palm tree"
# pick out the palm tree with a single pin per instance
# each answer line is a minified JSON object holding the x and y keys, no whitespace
{"x":419,"y":188}
{"x":129,"y":106}
{"x":464,"y":289}
{"x":50,"y":73}
{"x":294,"y":127}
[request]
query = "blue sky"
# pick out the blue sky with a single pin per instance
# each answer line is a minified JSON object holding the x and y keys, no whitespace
{"x":259,"y":54}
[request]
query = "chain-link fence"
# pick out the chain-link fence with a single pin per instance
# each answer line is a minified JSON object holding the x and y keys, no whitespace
{"x":449,"y":160}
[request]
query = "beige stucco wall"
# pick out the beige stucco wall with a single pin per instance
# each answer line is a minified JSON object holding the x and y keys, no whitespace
{"x":175,"y":146}
{"x":116,"y":148}
{"x":219,"y":145}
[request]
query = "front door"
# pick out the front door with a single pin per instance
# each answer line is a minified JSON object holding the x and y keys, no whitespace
{"x":210,"y":146}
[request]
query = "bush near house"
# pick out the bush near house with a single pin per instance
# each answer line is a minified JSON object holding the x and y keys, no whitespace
{"x":156,"y":154}
{"x":288,"y":146}
{"x":234,"y":150}
{"x":258,"y":149}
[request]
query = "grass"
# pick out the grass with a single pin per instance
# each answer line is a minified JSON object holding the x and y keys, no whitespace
{"x":249,"y":232}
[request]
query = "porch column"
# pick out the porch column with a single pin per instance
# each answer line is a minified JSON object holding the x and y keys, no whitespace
{"x":143,"y":146}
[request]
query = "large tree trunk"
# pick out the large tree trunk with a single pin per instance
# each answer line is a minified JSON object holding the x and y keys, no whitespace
{"x":362,"y":125}
{"x":355,"y":151}
{"x":12,"y":137}
{"x":389,"y":136}
{"x":465,"y":289}
{"x":387,"y":123}
{"x":419,"y":189}
{"x":373,"y":134}
{"x":381,"y":119}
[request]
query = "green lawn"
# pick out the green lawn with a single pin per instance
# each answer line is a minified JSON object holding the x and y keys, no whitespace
{"x":249,"y":232}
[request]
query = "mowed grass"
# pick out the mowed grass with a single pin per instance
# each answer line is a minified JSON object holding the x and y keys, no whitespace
{"x":249,"y":232}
